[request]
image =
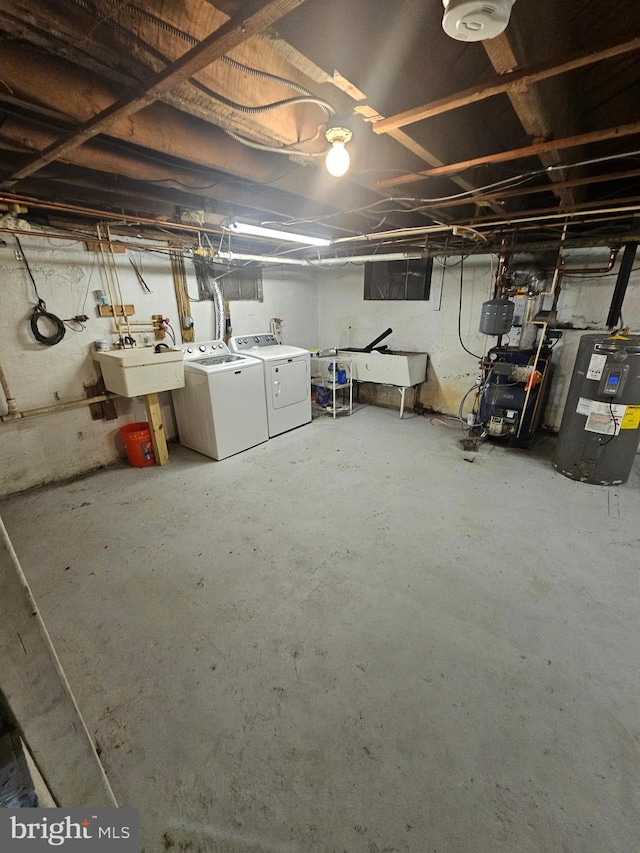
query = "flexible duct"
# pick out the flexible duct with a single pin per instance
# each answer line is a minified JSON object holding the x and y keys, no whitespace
{"x":218,"y":300}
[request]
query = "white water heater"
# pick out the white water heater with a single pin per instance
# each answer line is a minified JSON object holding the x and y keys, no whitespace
{"x":475,"y":20}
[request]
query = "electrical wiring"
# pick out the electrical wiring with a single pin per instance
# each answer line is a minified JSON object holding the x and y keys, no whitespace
{"x":615,"y":427}
{"x":138,"y":271}
{"x":442,"y":421}
{"x":40,"y":311}
{"x":505,"y":183}
{"x":463,"y":401}
{"x":68,"y":324}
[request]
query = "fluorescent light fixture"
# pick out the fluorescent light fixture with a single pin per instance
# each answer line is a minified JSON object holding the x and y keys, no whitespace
{"x":273,"y":234}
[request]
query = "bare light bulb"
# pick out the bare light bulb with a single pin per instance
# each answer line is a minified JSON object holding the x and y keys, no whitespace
{"x":338,"y":160}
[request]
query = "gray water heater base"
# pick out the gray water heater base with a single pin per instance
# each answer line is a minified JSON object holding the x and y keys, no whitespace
{"x":606,"y":374}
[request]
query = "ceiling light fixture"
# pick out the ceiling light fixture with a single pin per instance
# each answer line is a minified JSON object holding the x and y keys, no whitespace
{"x":338,"y":160}
{"x":273,"y":234}
{"x":475,"y":20}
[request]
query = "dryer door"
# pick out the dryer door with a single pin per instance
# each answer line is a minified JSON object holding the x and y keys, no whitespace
{"x":289,"y":382}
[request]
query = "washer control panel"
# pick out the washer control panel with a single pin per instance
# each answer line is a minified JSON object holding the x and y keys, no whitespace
{"x":198,"y":349}
{"x":252,"y":341}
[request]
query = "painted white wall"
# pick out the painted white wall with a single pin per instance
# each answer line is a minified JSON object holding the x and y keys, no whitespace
{"x":346,"y":319}
{"x":318,"y":308}
{"x":289,"y":293}
{"x":54,"y":447}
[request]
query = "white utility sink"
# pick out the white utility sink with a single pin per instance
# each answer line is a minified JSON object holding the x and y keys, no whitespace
{"x":134,"y":372}
{"x":400,"y":368}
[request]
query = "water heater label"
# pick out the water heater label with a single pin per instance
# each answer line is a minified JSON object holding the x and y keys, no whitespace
{"x":605,"y":419}
{"x":631,"y":419}
{"x":596,"y":366}
{"x":584,"y":406}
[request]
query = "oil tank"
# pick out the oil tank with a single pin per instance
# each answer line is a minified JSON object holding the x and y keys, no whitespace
{"x":600,"y":429}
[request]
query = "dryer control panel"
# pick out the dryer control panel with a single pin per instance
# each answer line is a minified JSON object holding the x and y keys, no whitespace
{"x":239,"y":342}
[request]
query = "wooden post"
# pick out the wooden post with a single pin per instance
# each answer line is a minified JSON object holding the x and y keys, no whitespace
{"x":39,"y":697}
{"x":156,"y":427}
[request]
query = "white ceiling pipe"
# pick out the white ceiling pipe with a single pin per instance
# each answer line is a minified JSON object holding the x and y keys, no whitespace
{"x":263,"y":259}
{"x":320,"y":262}
{"x":399,"y":232}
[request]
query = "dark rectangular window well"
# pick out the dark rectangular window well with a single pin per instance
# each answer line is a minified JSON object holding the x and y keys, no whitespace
{"x":243,"y":282}
{"x":398,"y":280}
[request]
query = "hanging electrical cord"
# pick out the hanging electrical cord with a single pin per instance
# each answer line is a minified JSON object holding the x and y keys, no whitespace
{"x":138,"y":271}
{"x":285,"y":149}
{"x":274,"y":105}
{"x":40,"y":312}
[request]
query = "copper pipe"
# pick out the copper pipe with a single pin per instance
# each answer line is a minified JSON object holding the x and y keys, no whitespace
{"x":586,"y":271}
{"x":80,"y":238}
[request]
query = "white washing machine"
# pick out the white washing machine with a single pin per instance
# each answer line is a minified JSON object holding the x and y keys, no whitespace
{"x":287,"y":383}
{"x":221,"y":410}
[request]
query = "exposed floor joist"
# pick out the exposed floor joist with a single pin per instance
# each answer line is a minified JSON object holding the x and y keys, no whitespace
{"x":545,"y":188}
{"x":506,"y":83}
{"x":261,"y":16}
{"x":529,"y":107}
{"x":518,"y":153}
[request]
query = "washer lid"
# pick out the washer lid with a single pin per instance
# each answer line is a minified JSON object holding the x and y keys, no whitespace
{"x":216,"y":360}
{"x":279,"y":351}
{"x":217,"y":363}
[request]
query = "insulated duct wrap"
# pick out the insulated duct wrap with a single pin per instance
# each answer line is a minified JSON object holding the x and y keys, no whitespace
{"x":209,"y":288}
{"x":220,"y":315}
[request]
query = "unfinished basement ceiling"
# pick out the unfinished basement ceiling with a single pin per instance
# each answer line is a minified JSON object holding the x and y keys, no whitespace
{"x":133,"y":108}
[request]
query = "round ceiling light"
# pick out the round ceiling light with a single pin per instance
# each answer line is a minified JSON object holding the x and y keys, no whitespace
{"x":338,"y":159}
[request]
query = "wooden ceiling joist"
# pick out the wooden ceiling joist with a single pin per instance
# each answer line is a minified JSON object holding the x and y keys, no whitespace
{"x":258,"y":18}
{"x":517,"y":154}
{"x":541,"y":189}
{"x":504,"y":84}
{"x":527,"y":102}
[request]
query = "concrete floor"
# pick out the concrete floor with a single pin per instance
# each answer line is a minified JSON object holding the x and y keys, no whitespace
{"x":352,"y":638}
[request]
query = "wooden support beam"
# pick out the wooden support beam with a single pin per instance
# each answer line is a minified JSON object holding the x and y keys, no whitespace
{"x":39,"y":696}
{"x":259,"y":17}
{"x":504,"y":84}
{"x":182,"y":297}
{"x":517,"y":153}
{"x":156,"y":427}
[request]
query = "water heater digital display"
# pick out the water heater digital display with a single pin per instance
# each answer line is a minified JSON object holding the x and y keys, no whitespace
{"x":613,"y":379}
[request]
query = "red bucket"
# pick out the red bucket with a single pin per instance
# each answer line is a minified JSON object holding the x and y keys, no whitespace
{"x":137,"y":442}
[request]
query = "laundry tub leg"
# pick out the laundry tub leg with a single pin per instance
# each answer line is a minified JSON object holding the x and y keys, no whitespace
{"x":156,"y":427}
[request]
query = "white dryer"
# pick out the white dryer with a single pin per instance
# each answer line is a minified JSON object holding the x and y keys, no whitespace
{"x":221,"y":410}
{"x":287,"y":383}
